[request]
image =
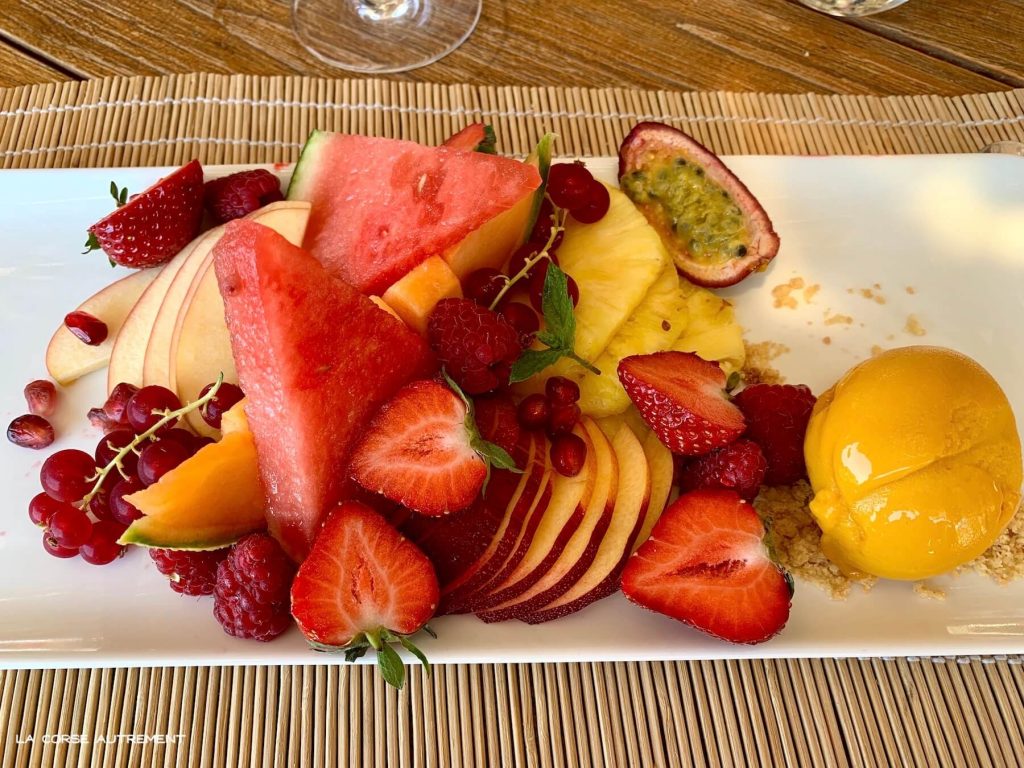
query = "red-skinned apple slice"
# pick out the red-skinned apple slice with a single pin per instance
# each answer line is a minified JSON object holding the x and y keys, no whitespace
{"x":562,"y":566}
{"x":630,"y":507}
{"x":742,"y":240}
{"x":67,"y":357}
{"x":552,"y":528}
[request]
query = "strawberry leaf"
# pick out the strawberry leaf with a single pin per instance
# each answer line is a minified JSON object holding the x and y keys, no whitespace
{"x":410,"y":646}
{"x":91,"y":244}
{"x":356,"y":652}
{"x":493,"y":455}
{"x":390,"y":665}
{"x":120,"y":195}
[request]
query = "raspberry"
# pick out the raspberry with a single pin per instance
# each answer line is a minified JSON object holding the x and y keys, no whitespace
{"x":739,"y":466}
{"x":252,"y":598}
{"x":239,"y":194}
{"x":777,"y":416}
{"x":476,"y":346}
{"x":190,"y":573}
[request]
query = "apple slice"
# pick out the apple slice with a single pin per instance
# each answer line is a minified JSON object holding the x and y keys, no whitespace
{"x":631,"y":502}
{"x":557,"y":524}
{"x":534,"y":485}
{"x":199,"y":344}
{"x":560,"y":570}
{"x":129,"y":352}
{"x":67,"y":357}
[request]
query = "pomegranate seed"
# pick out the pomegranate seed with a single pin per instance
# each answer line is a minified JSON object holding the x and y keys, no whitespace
{"x":159,"y":458}
{"x":42,"y":507}
{"x":66,"y":474}
{"x":99,"y":419}
{"x":533,"y":412}
{"x":596,"y":206}
{"x":144,"y":407}
{"x":562,"y":391}
{"x":122,"y":510}
{"x":41,"y":397}
{"x":227,"y":397}
{"x":109,"y":446}
{"x":30,"y":431}
{"x":483,"y":285}
{"x":569,"y":184}
{"x":70,"y":527}
{"x":86,"y":328}
{"x":55,"y":549}
{"x":102,"y":547}
{"x":117,"y":403}
{"x":523,"y":319}
{"x":562,"y":419}
{"x":568,"y":454}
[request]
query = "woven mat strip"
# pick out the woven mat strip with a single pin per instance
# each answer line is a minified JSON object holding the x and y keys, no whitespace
{"x":803,"y":712}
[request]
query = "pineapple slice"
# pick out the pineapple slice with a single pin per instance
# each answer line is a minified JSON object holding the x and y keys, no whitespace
{"x":614,"y":262}
{"x":654,"y":326}
{"x":712,"y":331}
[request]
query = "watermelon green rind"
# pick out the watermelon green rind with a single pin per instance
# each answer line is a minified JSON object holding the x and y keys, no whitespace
{"x":301,"y":175}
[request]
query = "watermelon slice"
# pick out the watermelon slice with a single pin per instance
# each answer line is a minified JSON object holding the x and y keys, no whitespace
{"x":383,"y":206}
{"x":316,"y":359}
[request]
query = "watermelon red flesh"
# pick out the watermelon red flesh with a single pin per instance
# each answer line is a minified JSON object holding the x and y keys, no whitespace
{"x":380,"y":207}
{"x":316,"y":359}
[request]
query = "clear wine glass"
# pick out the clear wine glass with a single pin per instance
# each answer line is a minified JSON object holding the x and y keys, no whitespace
{"x":852,"y":7}
{"x":381,"y":36}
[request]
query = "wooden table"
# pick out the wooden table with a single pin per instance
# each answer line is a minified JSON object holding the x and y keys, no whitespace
{"x":925,"y":46}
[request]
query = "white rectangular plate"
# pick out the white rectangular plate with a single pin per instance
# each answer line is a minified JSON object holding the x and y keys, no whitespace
{"x":951,"y":228}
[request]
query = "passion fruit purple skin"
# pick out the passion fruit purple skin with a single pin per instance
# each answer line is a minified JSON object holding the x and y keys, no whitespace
{"x":658,"y":141}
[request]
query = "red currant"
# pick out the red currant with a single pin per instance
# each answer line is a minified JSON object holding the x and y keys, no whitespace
{"x":66,"y":474}
{"x":523,"y":319}
{"x":41,"y":397}
{"x":159,"y":458}
{"x":568,"y":454}
{"x":569,"y":184}
{"x":55,"y":549}
{"x":533,"y":412}
{"x":183,"y":436}
{"x":86,"y":328}
{"x":201,"y":442}
{"x":596,"y":206}
{"x":144,"y":407}
{"x":30,"y":431}
{"x":563,"y":418}
{"x":109,"y":446}
{"x":121,"y":510}
{"x":70,"y":527}
{"x":42,"y":507}
{"x":541,"y":232}
{"x":520,"y":256}
{"x":102,"y":547}
{"x":99,"y":505}
{"x":226,"y":398}
{"x":483,"y":286}
{"x":562,"y":391}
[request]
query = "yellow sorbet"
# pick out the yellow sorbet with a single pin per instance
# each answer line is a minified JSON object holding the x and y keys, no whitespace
{"x":915,"y":462}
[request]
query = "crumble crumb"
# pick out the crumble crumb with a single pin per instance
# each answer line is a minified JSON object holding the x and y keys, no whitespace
{"x":831,"y":319}
{"x":928,"y":591}
{"x":781,"y":293}
{"x":810,"y":291}
{"x":758,"y":369}
{"x":868,"y":293}
{"x":1004,"y":560}
{"x":910,"y":290}
{"x":796,"y":539}
{"x":914,"y":327}
{"x":826,"y":340}
{"x":876,"y":350}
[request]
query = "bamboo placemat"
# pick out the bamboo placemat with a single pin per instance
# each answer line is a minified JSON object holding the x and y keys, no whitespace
{"x":823,"y":712}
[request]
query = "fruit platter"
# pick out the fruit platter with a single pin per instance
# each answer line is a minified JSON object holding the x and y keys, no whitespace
{"x":397,"y":403}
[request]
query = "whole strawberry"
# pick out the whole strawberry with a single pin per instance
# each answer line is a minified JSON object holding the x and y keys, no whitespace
{"x":476,"y":345}
{"x":253,"y":584}
{"x":238,"y":195}
{"x":777,"y":416}
{"x":154,"y":225}
{"x":739,"y":466}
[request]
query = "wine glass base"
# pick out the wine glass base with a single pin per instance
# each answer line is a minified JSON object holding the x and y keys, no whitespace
{"x":383,"y":36}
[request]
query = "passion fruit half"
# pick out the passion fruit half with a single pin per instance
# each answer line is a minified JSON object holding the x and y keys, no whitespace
{"x":715,"y":229}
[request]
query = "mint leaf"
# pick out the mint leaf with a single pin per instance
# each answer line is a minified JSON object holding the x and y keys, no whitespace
{"x":532,"y":362}
{"x":390,"y":665}
{"x":557,"y":305}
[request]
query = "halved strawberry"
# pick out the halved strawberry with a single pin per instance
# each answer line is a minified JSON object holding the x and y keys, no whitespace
{"x":715,"y":229}
{"x":363,"y":586}
{"x":424,"y":451}
{"x":706,"y":564}
{"x":154,"y":225}
{"x":682,"y":397}
{"x":475,"y":137}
